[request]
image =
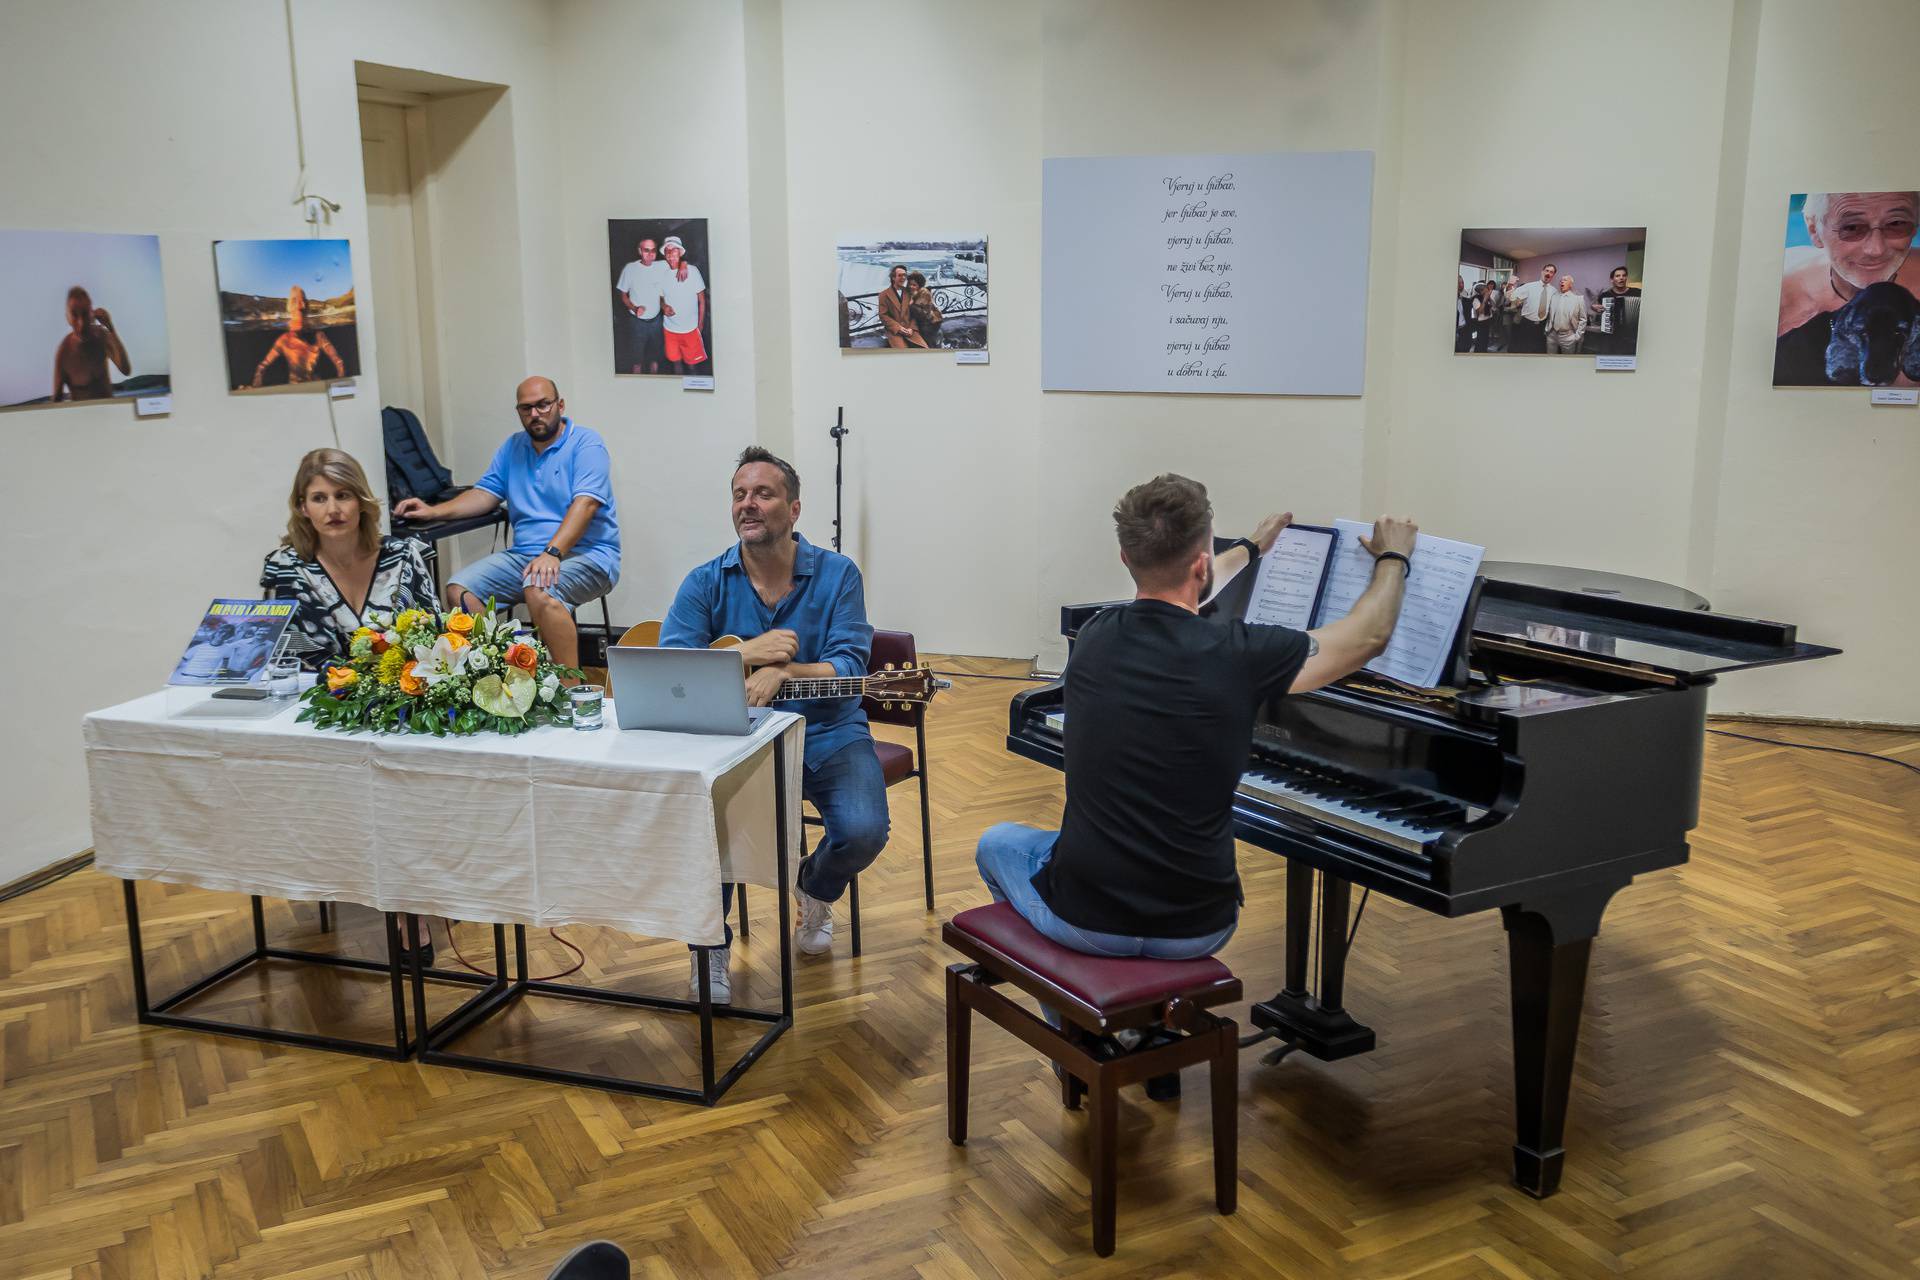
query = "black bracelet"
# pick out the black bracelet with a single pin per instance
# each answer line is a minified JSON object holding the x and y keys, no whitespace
{"x":555,"y":552}
{"x":1253,"y":548}
{"x":1393,"y":555}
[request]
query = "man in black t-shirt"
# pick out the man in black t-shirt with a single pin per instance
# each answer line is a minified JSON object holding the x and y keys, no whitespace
{"x":1160,"y":705}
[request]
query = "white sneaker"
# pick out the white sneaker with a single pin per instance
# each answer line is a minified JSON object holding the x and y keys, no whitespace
{"x":719,"y":982}
{"x":814,"y":934}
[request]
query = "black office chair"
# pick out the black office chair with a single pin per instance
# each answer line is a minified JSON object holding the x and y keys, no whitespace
{"x":595,"y":1260}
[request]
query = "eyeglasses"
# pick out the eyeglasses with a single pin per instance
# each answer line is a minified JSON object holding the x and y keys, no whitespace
{"x":1898,"y":228}
{"x":538,"y":406}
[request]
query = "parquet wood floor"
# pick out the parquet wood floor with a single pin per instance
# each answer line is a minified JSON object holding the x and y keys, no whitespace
{"x":1745,"y":1103}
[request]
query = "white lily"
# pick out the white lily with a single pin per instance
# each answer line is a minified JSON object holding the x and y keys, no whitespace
{"x":440,"y":660}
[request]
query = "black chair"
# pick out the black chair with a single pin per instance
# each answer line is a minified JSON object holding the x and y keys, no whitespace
{"x":596,"y":1260}
{"x":413,"y":471}
{"x":895,"y":650}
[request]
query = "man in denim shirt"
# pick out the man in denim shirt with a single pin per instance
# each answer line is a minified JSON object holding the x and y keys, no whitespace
{"x":802,"y":614}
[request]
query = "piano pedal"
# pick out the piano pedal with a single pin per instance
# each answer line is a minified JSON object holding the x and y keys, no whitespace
{"x":1328,"y":1035}
{"x":1164,"y":1088}
{"x":1277,"y":1055}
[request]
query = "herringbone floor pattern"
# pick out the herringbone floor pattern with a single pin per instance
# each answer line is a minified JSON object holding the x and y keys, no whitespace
{"x":1745,"y":1103}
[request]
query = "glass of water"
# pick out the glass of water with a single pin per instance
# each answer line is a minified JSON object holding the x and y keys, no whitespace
{"x":587,"y":701}
{"x":283,"y":677}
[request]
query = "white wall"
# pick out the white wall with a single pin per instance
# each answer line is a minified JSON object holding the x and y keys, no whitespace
{"x":116,"y":531}
{"x":977,"y":504}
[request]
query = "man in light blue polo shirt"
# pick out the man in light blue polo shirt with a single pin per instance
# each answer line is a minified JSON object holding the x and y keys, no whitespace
{"x":802,"y":613}
{"x":553,"y":477}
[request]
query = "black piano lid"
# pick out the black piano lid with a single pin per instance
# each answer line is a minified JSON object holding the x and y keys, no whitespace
{"x":1687,"y":644}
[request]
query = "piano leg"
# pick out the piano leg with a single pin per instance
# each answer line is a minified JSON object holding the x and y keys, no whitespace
{"x":1548,"y":942}
{"x":1321,"y":1026}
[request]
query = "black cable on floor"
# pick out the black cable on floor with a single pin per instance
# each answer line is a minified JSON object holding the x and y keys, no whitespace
{"x":1809,"y":746}
{"x":1354,"y":932}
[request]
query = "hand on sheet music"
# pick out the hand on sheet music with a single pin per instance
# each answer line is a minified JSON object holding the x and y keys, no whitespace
{"x":1392,"y":533}
{"x":764,"y":684}
{"x":770,"y":648}
{"x":1267,"y":532}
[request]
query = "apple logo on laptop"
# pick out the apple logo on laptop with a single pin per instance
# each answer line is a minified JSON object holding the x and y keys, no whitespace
{"x":679,"y":691}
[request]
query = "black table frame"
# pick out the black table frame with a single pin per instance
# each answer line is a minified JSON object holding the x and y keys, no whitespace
{"x":159,"y":1013}
{"x":438,"y":1037}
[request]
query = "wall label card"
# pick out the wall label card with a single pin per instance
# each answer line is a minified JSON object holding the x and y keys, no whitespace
{"x":970,"y":357}
{"x":1230,"y":274}
{"x":697,"y":383}
{"x":341,"y":390}
{"x":1625,"y":364}
{"x":152,"y":406}
{"x":1896,"y":395}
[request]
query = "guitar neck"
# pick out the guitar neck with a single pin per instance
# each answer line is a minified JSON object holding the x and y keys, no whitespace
{"x":826,"y":687}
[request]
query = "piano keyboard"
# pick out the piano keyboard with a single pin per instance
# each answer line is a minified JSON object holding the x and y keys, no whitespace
{"x":1407,"y":820}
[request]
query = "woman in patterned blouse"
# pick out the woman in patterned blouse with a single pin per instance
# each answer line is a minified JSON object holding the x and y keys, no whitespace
{"x":334,"y":563}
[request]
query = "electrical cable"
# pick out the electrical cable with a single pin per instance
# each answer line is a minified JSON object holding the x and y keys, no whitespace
{"x":454,"y":942}
{"x":1809,"y":746}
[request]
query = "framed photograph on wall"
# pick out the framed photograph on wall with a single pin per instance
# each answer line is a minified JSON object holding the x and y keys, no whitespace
{"x":660,"y":270}
{"x":1848,"y":289}
{"x":287,"y":314}
{"x":1536,"y":291}
{"x":913,"y":293}
{"x":83,"y":318}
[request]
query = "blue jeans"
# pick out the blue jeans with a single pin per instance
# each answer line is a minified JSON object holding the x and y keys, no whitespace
{"x":1010,"y":855}
{"x":500,"y":577}
{"x":851,"y":795}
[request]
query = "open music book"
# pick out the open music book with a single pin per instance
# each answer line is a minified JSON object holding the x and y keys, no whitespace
{"x":1314,"y":575}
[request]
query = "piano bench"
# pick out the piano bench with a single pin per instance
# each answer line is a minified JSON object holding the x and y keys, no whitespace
{"x":1166,"y":1000}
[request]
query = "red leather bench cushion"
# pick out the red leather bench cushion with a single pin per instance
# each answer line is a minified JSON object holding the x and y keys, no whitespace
{"x":896,"y":761}
{"x":1099,"y":981}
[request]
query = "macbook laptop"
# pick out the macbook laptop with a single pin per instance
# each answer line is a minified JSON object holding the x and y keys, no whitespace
{"x":680,"y":690}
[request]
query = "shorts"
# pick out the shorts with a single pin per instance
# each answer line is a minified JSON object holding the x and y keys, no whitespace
{"x":686,"y":348}
{"x":499,"y":577}
{"x":646,"y":335}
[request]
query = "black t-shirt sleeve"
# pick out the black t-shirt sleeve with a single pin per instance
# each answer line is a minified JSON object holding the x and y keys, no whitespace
{"x":1274,"y":657}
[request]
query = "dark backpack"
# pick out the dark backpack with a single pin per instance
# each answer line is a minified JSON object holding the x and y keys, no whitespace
{"x":412,"y":470}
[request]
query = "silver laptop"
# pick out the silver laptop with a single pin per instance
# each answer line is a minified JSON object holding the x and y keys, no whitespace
{"x":680,"y":690}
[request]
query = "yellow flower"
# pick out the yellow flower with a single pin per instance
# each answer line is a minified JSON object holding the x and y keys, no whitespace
{"x":364,"y":633}
{"x":392,"y":662}
{"x":460,"y":624}
{"x":339,"y":678}
{"x":408,"y":620}
{"x":454,"y":641}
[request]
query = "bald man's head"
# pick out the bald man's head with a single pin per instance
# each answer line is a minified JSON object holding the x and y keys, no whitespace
{"x":537,"y":401}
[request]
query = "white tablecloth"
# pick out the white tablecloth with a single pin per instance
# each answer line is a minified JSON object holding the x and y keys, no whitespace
{"x":632,"y":830}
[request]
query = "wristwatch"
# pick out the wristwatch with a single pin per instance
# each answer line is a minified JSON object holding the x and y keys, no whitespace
{"x":555,"y":552}
{"x":1253,"y":548}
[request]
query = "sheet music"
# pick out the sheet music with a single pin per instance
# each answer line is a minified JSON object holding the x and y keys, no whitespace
{"x":1289,"y":579}
{"x":1436,"y":598}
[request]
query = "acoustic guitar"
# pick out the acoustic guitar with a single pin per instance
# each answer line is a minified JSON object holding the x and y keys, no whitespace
{"x":890,"y":685}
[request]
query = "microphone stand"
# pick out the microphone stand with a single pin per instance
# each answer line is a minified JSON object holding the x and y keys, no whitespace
{"x":839,"y":431}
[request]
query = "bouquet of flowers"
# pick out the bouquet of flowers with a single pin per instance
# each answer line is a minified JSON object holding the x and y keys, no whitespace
{"x":422,"y":671}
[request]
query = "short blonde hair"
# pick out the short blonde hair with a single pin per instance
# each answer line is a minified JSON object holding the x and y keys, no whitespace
{"x":339,"y":467}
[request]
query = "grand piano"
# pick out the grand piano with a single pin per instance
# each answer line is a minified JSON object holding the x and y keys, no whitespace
{"x":1562,"y":761}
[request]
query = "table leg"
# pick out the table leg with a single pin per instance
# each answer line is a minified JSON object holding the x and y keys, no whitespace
{"x":137,"y":951}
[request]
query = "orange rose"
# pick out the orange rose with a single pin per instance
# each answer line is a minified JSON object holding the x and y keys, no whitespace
{"x":460,"y":624}
{"x":380,"y":644}
{"x":454,"y":640}
{"x":410,"y":684}
{"x":523,"y":656}
{"x":339,"y":678}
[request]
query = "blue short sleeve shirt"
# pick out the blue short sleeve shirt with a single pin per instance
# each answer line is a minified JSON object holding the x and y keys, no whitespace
{"x":539,"y":487}
{"x":826,"y":610}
